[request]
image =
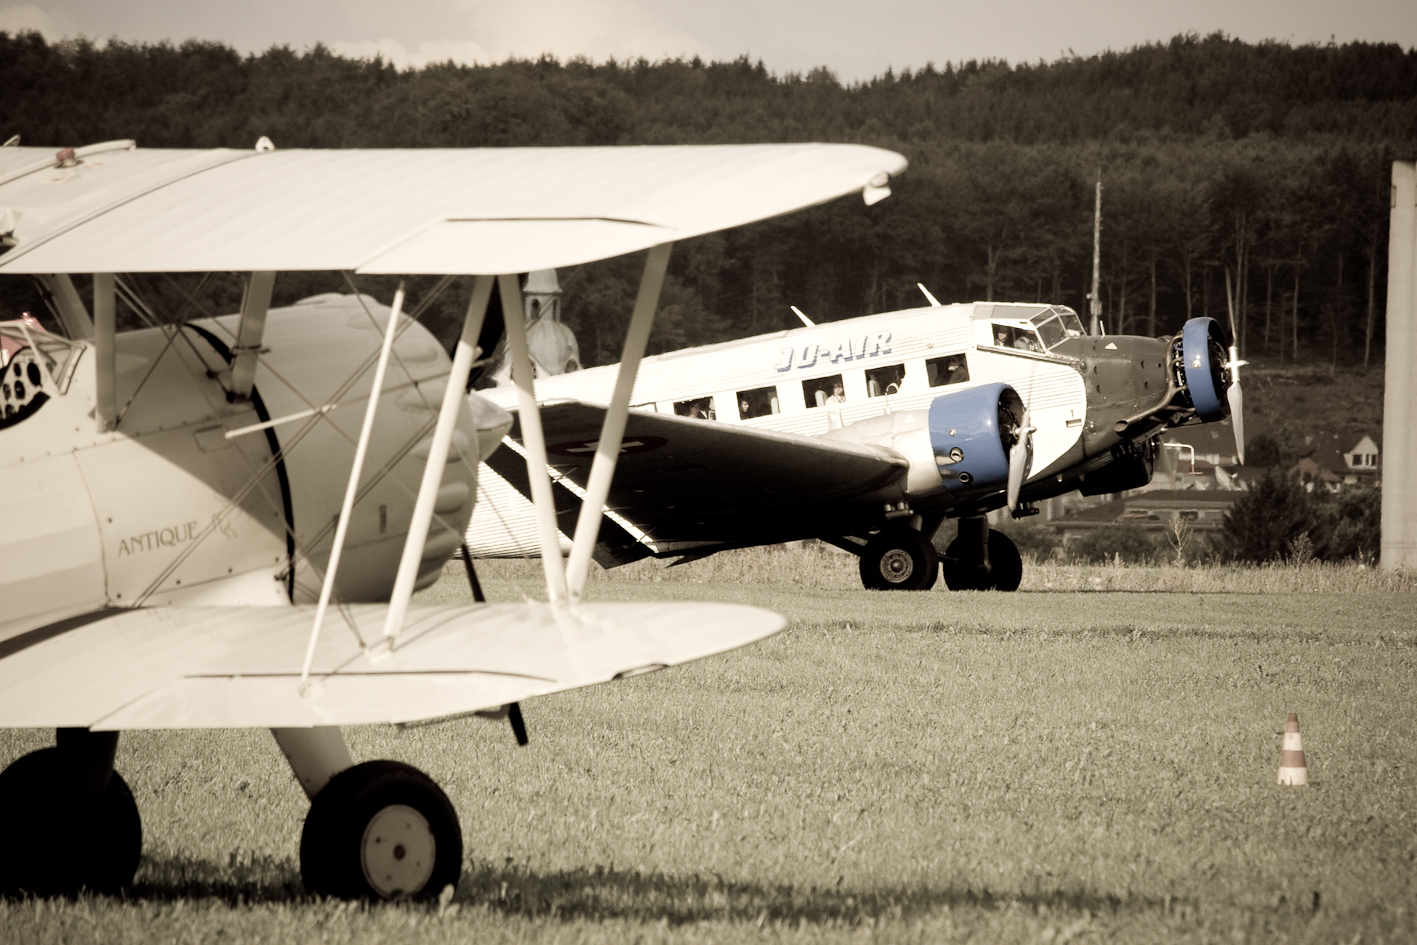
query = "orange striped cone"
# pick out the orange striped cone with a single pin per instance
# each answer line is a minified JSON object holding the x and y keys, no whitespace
{"x":1293,"y":770}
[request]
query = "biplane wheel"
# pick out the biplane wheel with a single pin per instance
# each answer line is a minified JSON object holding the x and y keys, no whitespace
{"x":60,"y":840}
{"x":899,"y":559}
{"x":1005,"y":571}
{"x":381,"y":830}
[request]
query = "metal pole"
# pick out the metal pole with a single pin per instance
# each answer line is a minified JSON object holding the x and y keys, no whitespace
{"x":453,"y":396}
{"x":607,"y":450}
{"x":529,"y":414}
{"x":1095,"y":305}
{"x":1399,"y":495}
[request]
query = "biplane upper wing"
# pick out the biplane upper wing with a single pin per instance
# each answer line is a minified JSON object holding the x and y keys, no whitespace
{"x":682,"y":479}
{"x":219,"y":667}
{"x":116,"y":208}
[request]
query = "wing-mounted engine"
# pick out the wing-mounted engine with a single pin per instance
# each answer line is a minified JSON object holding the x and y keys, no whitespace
{"x":960,"y":443}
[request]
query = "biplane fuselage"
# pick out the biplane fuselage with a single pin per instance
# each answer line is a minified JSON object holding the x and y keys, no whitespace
{"x":166,"y":508}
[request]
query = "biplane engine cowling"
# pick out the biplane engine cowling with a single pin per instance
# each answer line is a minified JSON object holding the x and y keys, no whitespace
{"x":960,"y":442}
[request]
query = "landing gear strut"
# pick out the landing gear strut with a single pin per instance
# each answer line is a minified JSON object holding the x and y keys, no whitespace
{"x":981,"y":559}
{"x":72,"y":823}
{"x":899,"y":558}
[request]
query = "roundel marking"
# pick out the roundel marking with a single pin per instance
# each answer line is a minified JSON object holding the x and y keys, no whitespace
{"x":631,"y":444}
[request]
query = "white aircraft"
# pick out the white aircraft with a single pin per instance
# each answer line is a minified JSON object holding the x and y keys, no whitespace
{"x":869,"y":433}
{"x":187,"y":505}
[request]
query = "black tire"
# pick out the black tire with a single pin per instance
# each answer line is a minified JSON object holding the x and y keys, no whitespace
{"x":899,"y":559}
{"x":1005,"y":566}
{"x":60,"y":841}
{"x":381,"y":830}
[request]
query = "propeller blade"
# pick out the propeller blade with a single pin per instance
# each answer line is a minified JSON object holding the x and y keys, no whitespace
{"x":1237,"y":404}
{"x":1020,"y":459}
{"x":1234,"y":394}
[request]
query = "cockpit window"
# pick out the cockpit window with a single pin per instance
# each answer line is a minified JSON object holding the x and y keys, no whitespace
{"x":1054,"y":327}
{"x":1020,"y":339}
{"x":1051,"y":332}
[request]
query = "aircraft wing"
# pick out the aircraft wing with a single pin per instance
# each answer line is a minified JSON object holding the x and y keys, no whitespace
{"x":682,"y":479}
{"x":116,"y":208}
{"x":218,"y":667}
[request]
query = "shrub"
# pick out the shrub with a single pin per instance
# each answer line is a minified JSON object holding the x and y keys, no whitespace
{"x":1351,"y":525}
{"x":1033,"y":540}
{"x":1265,"y":522}
{"x":1132,"y":542}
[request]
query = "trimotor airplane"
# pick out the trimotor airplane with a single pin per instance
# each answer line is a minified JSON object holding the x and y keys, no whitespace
{"x":186,"y":504}
{"x":869,"y":433}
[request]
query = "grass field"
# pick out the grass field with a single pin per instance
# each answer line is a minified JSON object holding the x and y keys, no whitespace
{"x":1088,"y":761}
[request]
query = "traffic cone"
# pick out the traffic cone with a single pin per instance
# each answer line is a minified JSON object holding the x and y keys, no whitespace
{"x":1293,"y":770}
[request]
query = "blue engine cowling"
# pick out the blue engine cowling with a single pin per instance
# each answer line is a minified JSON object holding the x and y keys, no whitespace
{"x":1203,"y":348}
{"x":959,"y":444}
{"x":971,"y":433}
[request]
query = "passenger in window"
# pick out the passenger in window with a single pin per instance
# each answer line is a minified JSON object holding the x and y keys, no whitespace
{"x":838,"y":394}
{"x":745,"y":410}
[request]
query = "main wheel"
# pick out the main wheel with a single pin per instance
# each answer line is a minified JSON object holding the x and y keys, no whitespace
{"x":381,"y":830}
{"x":58,"y":840}
{"x":899,"y":559}
{"x":1004,"y":572}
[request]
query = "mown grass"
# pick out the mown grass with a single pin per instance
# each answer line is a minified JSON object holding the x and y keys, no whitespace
{"x":1047,"y":766}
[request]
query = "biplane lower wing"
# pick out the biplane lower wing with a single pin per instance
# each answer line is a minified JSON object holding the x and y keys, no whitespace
{"x":228,"y":667}
{"x":684,"y":480}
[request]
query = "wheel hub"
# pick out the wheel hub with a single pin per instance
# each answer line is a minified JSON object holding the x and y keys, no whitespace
{"x":897,"y":565}
{"x":398,"y":851}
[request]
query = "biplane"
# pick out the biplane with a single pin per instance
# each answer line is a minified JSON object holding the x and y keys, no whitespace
{"x":218,"y":519}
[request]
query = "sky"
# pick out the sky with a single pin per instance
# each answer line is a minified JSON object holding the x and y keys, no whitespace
{"x":855,"y":39}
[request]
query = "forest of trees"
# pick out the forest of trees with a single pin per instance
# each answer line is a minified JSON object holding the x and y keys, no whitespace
{"x":1266,"y":162}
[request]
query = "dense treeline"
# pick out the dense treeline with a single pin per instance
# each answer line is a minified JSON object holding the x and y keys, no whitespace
{"x":1264,"y":162}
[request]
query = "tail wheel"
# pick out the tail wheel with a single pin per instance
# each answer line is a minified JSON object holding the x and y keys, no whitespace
{"x":381,"y":830}
{"x":58,"y":840}
{"x":899,"y":559}
{"x":1003,"y":573}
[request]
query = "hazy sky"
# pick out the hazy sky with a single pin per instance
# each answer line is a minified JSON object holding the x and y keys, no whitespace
{"x":855,"y":38}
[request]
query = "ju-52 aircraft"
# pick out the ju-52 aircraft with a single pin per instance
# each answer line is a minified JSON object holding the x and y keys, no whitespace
{"x":218,"y":519}
{"x":869,"y":433}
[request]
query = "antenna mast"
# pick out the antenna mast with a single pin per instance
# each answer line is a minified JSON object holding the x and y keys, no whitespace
{"x":1096,"y":302}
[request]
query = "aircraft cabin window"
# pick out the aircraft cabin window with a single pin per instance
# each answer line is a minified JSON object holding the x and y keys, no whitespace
{"x":700,"y":408}
{"x":951,"y":369}
{"x":821,"y":391}
{"x":886,"y":381}
{"x":759,"y":402}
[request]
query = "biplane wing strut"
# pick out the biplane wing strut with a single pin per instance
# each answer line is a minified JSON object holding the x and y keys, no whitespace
{"x":565,"y":581}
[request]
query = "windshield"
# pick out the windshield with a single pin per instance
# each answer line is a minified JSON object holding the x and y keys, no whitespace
{"x":1054,"y":327}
